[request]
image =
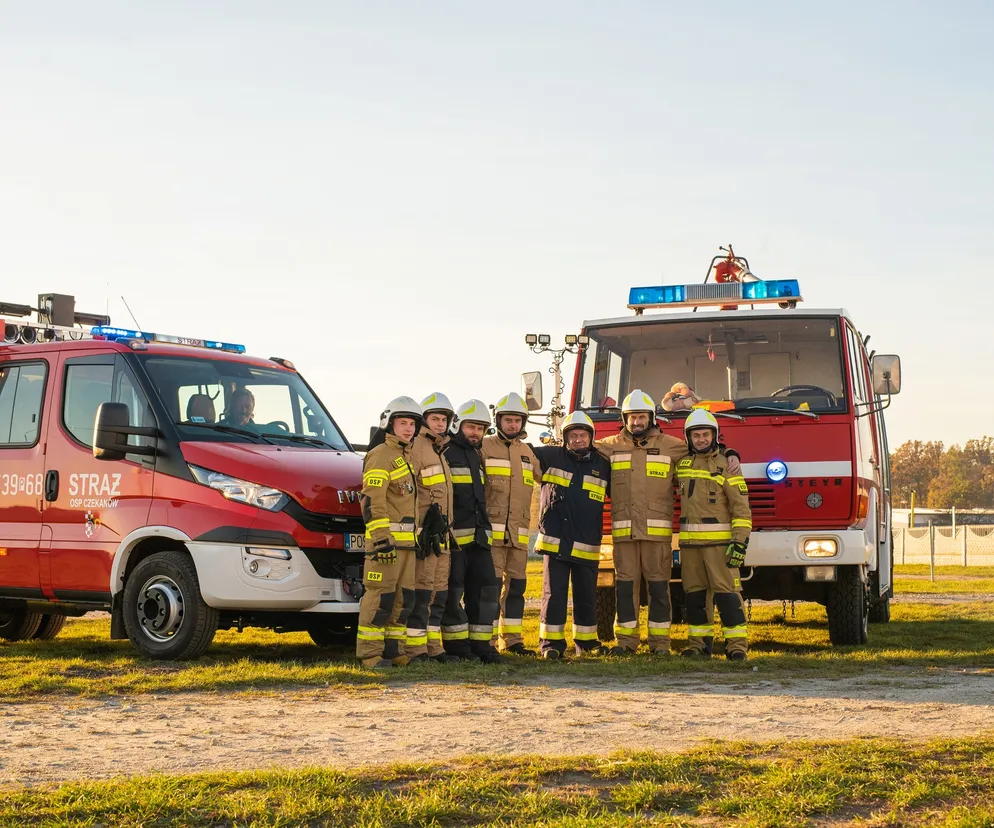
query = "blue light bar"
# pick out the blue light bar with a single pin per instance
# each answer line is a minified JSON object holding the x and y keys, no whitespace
{"x":112,"y":334}
{"x":715,"y":293}
{"x":773,"y":289}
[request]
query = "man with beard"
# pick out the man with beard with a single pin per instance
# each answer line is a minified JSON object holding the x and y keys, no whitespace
{"x":466,"y":633}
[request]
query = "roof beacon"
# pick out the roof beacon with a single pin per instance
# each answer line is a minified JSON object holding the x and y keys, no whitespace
{"x":111,"y":333}
{"x":784,"y":292}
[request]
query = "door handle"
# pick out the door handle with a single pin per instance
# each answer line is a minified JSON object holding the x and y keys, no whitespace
{"x":51,"y":485}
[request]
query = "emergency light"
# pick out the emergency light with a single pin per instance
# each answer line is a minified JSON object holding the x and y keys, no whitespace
{"x":776,"y":470}
{"x":781,"y":291}
{"x":111,"y":333}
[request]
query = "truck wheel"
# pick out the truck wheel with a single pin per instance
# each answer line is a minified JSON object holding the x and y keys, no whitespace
{"x":325,"y":636}
{"x":51,"y":626}
{"x":19,"y":624}
{"x":607,"y":607}
{"x":880,"y":611}
{"x":164,"y":613}
{"x":848,"y":608}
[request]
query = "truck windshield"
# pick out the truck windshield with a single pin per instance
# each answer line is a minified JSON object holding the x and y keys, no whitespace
{"x":758,"y":363}
{"x":220,"y":399}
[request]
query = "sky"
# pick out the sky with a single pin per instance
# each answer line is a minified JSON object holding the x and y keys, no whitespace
{"x":392,"y":194}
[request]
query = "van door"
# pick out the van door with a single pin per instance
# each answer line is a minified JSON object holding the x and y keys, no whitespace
{"x":23,"y":393}
{"x":96,"y":503}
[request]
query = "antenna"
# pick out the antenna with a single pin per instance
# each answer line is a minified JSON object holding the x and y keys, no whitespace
{"x":132,"y":315}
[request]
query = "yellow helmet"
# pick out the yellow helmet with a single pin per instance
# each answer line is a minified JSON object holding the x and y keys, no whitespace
{"x":472,"y":411}
{"x":578,"y":419}
{"x":700,"y":418}
{"x":638,"y":401}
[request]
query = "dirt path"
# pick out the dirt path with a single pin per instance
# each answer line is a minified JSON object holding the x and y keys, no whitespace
{"x":60,"y":740}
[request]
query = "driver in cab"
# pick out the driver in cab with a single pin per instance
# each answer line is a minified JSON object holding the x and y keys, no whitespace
{"x":241,"y":410}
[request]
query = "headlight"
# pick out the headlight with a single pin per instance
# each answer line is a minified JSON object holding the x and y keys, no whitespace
{"x":241,"y":491}
{"x":821,"y":548}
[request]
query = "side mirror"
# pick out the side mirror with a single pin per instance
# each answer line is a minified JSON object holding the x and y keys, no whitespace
{"x":531,"y":390}
{"x":111,"y":430}
{"x":547,"y":438}
{"x":886,"y":370}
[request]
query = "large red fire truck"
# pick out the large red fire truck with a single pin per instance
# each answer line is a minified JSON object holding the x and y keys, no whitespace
{"x":799,"y":397}
{"x":176,"y":483}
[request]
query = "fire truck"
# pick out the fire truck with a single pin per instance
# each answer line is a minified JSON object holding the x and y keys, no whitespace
{"x":798,"y":395}
{"x":174,"y":482}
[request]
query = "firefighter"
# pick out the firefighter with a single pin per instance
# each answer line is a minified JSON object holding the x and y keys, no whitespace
{"x":389,"y":508}
{"x":575,"y":479}
{"x":431,"y":569}
{"x":642,"y":499}
{"x":715,"y":522}
{"x":467,"y":633}
{"x":511,"y":467}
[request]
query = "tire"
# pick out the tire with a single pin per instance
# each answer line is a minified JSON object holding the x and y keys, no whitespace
{"x":19,"y":624}
{"x":607,"y":607}
{"x":331,"y":637}
{"x":165,"y":615}
{"x":848,"y":608}
{"x":51,"y":626}
{"x":879,"y":611}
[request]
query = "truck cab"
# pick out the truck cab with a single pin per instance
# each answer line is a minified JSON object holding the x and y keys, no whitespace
{"x":177,"y":483}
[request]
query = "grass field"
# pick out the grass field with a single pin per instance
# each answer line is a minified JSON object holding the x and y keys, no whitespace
{"x":872,"y":782}
{"x":82,"y":661}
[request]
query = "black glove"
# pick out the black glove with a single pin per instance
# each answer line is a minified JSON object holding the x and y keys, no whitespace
{"x":384,"y":552}
{"x":735,"y":555}
{"x":434,"y":528}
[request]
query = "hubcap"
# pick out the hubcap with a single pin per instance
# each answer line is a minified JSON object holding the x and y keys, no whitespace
{"x":160,"y":608}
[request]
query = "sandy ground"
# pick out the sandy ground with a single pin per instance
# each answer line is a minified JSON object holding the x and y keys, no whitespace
{"x":52,"y":741}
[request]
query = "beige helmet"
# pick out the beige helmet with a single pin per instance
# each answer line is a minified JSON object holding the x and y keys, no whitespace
{"x":510,"y":404}
{"x":638,"y":401}
{"x":700,"y":418}
{"x":578,"y":419}
{"x":401,"y":407}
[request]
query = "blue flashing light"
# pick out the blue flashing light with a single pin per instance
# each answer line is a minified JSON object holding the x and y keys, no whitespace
{"x":776,"y":470}
{"x":772,"y":289}
{"x":661,"y":295}
{"x":111,"y":333}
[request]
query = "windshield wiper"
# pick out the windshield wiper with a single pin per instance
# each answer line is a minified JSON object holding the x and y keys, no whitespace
{"x":781,"y":410}
{"x":302,"y":438}
{"x":229,"y":429}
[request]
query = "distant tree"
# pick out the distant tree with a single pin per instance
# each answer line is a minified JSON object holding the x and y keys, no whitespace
{"x":913,"y":467}
{"x":966,"y":477}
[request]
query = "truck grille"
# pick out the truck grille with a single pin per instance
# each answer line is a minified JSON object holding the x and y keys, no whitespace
{"x":320,"y":522}
{"x":335,"y":563}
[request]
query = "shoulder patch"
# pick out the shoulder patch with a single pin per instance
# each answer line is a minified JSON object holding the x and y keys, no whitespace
{"x":687,"y":461}
{"x":526,"y":460}
{"x":652,"y":451}
{"x":398,"y":462}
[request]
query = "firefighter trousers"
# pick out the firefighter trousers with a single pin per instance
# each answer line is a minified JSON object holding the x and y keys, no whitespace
{"x":384,"y":608}
{"x":555,"y":588}
{"x":510,"y":566}
{"x":431,"y":589}
{"x":633,"y":561}
{"x":469,"y":631}
{"x":703,"y":569}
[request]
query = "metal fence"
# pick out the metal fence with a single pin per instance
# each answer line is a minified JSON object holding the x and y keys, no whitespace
{"x":945,"y":546}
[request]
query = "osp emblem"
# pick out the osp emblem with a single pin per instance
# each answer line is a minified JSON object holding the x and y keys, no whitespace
{"x":347,"y":496}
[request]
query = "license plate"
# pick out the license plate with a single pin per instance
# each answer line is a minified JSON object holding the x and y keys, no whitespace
{"x":356,"y":542}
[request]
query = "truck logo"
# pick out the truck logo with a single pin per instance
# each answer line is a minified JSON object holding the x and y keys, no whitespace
{"x":347,"y":496}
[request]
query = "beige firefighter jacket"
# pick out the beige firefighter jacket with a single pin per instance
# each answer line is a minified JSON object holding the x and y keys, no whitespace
{"x":642,"y":483}
{"x":714,"y":508}
{"x":433,"y":473}
{"x":511,"y":469}
{"x":389,"y":494}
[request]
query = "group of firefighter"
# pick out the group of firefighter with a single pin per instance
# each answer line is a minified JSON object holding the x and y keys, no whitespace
{"x":447,"y":507}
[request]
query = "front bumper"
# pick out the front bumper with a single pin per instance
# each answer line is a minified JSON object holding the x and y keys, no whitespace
{"x":227,"y":581}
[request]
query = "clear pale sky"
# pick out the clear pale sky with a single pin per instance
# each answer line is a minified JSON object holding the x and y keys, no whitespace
{"x":391,"y":194}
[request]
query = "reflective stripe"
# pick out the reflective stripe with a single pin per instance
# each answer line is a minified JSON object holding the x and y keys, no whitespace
{"x":396,"y":632}
{"x":498,"y":468}
{"x":659,"y":528}
{"x":621,"y":461}
{"x":464,"y":537}
{"x":547,"y":543}
{"x":416,"y":640}
{"x":657,"y":466}
{"x":461,"y":474}
{"x":510,"y":625}
{"x":370,"y":633}
{"x":700,"y":631}
{"x":379,"y":523}
{"x":657,"y":628}
{"x":552,"y":632}
{"x":457,"y":632}
{"x":375,"y":474}
{"x":499,"y":531}
{"x":582,"y":632}
{"x":434,"y":635}
{"x":396,"y":474}
{"x":705,"y":536}
{"x":481,"y":632}
{"x":528,"y":476}
{"x":738,"y":480}
{"x":465,"y":541}
{"x":587,"y":551}
{"x":432,"y":476}
{"x":594,"y":483}
{"x":700,"y":474}
{"x":741,"y":523}
{"x":522,"y":538}
{"x":402,"y":531}
{"x":626,"y":625}
{"x":621,"y":528}
{"x":560,"y":476}
{"x":735,"y":632}
{"x":705,"y":527}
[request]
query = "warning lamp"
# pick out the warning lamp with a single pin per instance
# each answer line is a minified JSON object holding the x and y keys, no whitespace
{"x":531,"y":339}
{"x":28,"y":335}
{"x":544,"y":339}
{"x":571,"y":339}
{"x":583,"y":339}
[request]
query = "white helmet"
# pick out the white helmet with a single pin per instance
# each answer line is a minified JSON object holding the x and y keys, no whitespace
{"x":472,"y":411}
{"x":438,"y":403}
{"x":400,"y":407}
{"x":578,"y":419}
{"x":638,"y":401}
{"x":511,"y":404}
{"x":700,"y":418}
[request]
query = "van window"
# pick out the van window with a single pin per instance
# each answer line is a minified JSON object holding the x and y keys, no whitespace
{"x":88,"y":383}
{"x":22,"y":388}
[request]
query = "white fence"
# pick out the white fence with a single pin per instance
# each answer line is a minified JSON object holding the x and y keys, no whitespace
{"x":964,"y":546}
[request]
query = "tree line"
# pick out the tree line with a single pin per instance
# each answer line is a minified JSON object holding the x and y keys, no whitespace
{"x":940,"y":477}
